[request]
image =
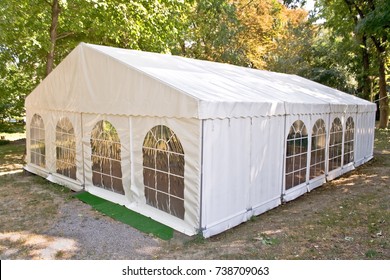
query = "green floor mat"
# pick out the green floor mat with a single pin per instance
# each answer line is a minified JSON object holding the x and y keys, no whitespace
{"x":126,"y":216}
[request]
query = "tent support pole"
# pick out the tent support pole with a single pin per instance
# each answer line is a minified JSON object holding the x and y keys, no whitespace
{"x":201,"y":180}
{"x":82,"y":147}
{"x":284,"y":155}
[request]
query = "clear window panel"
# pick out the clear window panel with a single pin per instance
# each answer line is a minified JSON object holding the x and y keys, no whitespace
{"x":163,"y":170}
{"x":150,"y":195}
{"x":106,"y":157}
{"x":162,"y":181}
{"x":65,"y":148}
{"x":149,"y":179}
{"x":176,"y":185}
{"x":335,"y":144}
{"x":37,"y":141}
{"x":318,"y":149}
{"x":177,"y":207}
{"x":349,"y":137}
{"x":163,"y":202}
{"x":296,"y":155}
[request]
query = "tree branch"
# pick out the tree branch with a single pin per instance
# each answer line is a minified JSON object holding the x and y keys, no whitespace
{"x":351,"y":4}
{"x":64,"y":35}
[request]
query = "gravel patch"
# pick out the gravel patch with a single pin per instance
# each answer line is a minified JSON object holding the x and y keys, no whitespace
{"x":99,"y":237}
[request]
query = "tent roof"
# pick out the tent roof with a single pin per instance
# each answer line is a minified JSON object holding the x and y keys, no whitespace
{"x":107,"y":80}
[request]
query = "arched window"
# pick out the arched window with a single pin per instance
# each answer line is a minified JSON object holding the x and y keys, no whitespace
{"x":318,"y":145}
{"x":296,"y":155}
{"x":349,"y":137}
{"x":37,"y":141}
{"x":335,"y":144}
{"x":106,"y":157}
{"x":65,"y":149}
{"x":163,"y":169}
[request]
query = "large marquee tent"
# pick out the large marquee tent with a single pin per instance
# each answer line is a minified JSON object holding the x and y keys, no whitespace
{"x":199,"y":146}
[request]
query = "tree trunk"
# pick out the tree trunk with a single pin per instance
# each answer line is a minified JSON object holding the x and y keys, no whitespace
{"x":55,"y":12}
{"x":366,"y":87}
{"x":383,"y":98}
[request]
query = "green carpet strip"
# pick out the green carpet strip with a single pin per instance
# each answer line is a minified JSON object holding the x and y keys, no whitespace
{"x":127,"y":216}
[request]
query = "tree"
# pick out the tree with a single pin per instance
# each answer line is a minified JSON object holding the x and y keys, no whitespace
{"x":212,"y":33}
{"x":21,"y":52}
{"x":55,"y":12}
{"x":262,"y":22}
{"x":36,"y":35}
{"x":367,"y":20}
{"x":375,"y":23}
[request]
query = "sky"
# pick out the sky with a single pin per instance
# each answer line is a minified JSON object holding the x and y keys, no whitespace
{"x":309,"y":5}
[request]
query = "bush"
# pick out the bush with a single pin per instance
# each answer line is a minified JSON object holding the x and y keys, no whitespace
{"x":11,"y":127}
{"x":4,"y":142}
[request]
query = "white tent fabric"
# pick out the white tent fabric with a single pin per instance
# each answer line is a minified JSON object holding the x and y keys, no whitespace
{"x":232,"y":123}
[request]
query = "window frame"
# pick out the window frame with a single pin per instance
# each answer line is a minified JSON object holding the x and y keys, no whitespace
{"x":65,"y":144}
{"x":335,"y":152}
{"x":164,"y":185}
{"x":296,"y":156}
{"x":37,"y":145}
{"x":318,"y":153}
{"x":106,"y":159}
{"x":349,"y":141}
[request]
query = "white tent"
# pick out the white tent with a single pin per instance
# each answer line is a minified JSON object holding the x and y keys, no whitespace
{"x":199,"y":146}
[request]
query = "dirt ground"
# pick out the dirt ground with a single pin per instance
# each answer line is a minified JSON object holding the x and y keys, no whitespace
{"x":347,"y":218}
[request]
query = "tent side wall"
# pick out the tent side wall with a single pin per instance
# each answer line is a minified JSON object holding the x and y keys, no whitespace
{"x":49,"y":169}
{"x":131,"y":132}
{"x":241,"y":170}
{"x":365,"y":137}
{"x":244,"y":161}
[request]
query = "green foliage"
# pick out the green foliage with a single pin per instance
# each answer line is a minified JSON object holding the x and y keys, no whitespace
{"x":261,"y":34}
{"x":377,"y":21}
{"x":351,"y":25}
{"x":8,"y":127}
{"x":4,"y":142}
{"x":211,"y":32}
{"x":25,"y":42}
{"x":21,"y":52}
{"x":267,"y":240}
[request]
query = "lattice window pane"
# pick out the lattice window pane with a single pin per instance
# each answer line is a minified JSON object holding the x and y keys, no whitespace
{"x":296,"y":155}
{"x":149,"y":178}
{"x":66,"y":149}
{"x":163,"y":200}
{"x":177,"y":207}
{"x":106,"y":157}
{"x":335,"y":144}
{"x":318,"y":140}
{"x":37,"y":141}
{"x":349,"y":137}
{"x":163,"y":170}
{"x":151,"y":197}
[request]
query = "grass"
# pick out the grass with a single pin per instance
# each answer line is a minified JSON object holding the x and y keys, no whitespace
{"x":382,"y":139}
{"x":126,"y":216}
{"x":30,"y":202}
